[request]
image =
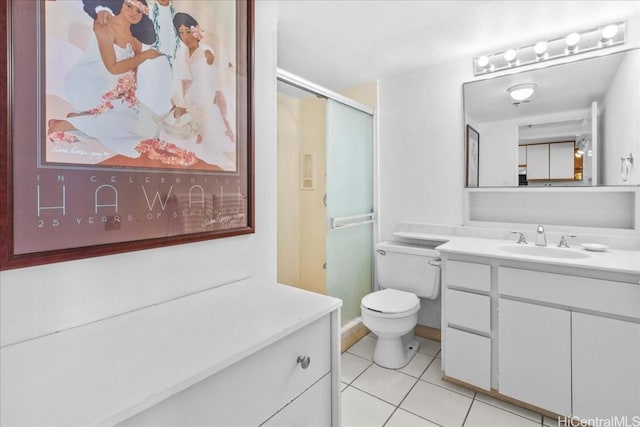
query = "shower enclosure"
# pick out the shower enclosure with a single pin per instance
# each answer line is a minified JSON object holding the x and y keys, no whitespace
{"x":326,"y":216}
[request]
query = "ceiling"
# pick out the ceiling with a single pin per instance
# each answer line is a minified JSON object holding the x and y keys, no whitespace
{"x":343,"y":43}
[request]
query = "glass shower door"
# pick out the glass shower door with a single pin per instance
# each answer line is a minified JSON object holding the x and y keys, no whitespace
{"x":349,"y":203}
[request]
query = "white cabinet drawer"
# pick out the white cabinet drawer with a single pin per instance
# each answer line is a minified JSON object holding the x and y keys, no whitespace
{"x":468,"y":275}
{"x":580,"y":292}
{"x":312,"y":408}
{"x":468,"y":358}
{"x":251,"y":390}
{"x":469,"y":310}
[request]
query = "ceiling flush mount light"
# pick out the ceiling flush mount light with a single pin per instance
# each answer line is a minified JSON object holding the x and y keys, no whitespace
{"x":545,"y":50}
{"x":522,"y":92}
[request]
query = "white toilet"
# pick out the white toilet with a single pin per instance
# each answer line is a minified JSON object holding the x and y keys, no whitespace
{"x":405,"y":272}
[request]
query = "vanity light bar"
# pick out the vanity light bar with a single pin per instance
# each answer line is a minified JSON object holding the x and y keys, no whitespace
{"x":571,"y":44}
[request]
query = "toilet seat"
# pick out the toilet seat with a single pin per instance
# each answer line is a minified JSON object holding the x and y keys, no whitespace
{"x":391,"y":303}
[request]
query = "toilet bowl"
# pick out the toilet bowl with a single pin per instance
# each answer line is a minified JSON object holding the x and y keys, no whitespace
{"x":405,"y":272}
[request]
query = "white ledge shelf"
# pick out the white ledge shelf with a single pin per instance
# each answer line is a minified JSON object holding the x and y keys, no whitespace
{"x":435,"y":238}
{"x":565,"y":206}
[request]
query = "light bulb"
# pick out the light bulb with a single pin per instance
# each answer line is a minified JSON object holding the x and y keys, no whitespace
{"x":510,"y":55}
{"x":572,"y":40}
{"x":540,"y":48}
{"x":609,"y":32}
{"x":483,"y":61}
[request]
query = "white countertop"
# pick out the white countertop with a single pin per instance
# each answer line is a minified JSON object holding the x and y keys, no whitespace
{"x":612,"y":260}
{"x":107,"y":371}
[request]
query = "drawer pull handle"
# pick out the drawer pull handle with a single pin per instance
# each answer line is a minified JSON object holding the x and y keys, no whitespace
{"x":304,"y":361}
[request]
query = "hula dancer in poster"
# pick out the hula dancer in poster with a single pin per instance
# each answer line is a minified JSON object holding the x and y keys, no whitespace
{"x":102,"y":85}
{"x":155,"y":78}
{"x":197,"y":91}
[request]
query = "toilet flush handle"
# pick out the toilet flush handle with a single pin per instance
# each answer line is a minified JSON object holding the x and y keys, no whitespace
{"x":304,"y":361}
{"x":381,"y":252}
{"x":435,"y":262}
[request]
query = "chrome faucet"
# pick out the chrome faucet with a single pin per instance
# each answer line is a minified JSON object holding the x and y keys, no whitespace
{"x":563,"y":240}
{"x":521,"y":238}
{"x":541,"y":238}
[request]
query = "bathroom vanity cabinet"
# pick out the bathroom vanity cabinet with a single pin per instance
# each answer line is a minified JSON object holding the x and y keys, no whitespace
{"x":561,"y":339}
{"x":586,"y":362}
{"x":241,"y":354}
{"x":565,"y":329}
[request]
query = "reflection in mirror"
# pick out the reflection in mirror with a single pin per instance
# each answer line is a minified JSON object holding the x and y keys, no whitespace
{"x":559,"y":152}
{"x":570,"y":131}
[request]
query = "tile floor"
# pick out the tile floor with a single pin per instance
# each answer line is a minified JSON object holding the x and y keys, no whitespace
{"x":416,"y":396}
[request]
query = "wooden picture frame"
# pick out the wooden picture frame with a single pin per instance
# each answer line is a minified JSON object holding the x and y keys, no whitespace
{"x":472,"y":155}
{"x":72,"y":186}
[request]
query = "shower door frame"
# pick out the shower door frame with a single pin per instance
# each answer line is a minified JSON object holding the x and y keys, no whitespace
{"x":313,"y":88}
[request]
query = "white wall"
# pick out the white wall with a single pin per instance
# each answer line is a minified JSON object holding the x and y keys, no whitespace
{"x":621,"y":125}
{"x":498,"y":154}
{"x":41,"y":300}
{"x":421,"y":149}
{"x":421,"y":172}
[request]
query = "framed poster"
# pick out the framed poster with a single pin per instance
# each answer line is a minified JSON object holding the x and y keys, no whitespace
{"x":129,"y":126}
{"x":473,"y":157}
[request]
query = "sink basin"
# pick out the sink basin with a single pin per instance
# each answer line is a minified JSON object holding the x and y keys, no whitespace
{"x":544,"y":251}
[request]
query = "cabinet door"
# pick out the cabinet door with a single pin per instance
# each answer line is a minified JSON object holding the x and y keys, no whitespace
{"x":561,"y":163}
{"x":534,"y":355}
{"x":606,"y":368}
{"x":538,"y":161}
{"x":468,"y":358}
{"x":522,"y":155}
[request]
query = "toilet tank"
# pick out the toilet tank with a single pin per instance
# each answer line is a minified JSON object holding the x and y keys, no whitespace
{"x":406,"y":267}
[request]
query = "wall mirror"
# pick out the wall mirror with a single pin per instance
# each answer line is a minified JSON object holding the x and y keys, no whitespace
{"x":569,"y":124}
